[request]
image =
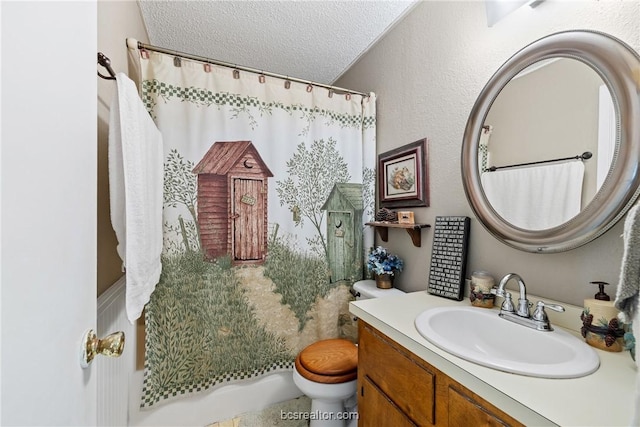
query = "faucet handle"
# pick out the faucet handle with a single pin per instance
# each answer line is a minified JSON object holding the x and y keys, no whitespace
{"x":495,"y":291}
{"x":507,"y":304}
{"x":540,"y":314}
{"x":554,"y":307}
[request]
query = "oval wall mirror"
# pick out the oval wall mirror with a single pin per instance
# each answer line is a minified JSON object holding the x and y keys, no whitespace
{"x":551,"y":149}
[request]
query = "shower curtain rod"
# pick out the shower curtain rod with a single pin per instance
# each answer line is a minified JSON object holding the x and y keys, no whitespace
{"x":584,"y":156}
{"x":339,"y":90}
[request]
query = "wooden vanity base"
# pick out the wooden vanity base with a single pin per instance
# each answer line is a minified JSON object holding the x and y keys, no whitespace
{"x":397,"y":388}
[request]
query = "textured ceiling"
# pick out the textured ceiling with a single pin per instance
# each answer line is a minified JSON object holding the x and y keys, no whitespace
{"x":311,"y":40}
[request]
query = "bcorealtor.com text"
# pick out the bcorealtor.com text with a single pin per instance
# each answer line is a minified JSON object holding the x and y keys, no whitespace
{"x":317,"y":415}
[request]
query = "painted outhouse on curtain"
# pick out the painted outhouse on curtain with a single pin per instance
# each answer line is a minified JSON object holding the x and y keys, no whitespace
{"x":344,"y":208}
{"x":232,"y":202}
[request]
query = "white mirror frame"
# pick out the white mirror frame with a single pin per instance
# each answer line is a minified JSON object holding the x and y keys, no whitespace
{"x":619,"y":67}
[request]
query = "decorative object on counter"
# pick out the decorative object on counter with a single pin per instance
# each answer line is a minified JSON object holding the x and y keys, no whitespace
{"x":480,"y":289}
{"x":600,"y":325}
{"x":449,"y":257}
{"x":403,"y":176}
{"x":630,"y":341}
{"x":386,"y":215}
{"x":406,"y":217}
{"x":384,"y":266}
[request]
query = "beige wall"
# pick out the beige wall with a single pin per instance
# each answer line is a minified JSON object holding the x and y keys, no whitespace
{"x":117,"y":20}
{"x":427,"y":72}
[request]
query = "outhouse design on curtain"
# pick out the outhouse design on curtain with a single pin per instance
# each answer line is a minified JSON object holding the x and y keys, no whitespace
{"x":232,"y":178}
{"x":267,"y":188}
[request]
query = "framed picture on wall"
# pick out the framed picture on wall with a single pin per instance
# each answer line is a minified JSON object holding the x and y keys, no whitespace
{"x":403,"y":176}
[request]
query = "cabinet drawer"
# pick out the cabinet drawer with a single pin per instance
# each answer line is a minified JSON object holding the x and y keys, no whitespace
{"x":396,"y":373}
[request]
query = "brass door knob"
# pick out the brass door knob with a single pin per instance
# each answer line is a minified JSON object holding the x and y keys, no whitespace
{"x":112,"y":345}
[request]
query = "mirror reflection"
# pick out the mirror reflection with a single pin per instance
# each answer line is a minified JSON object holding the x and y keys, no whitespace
{"x":553,"y":109}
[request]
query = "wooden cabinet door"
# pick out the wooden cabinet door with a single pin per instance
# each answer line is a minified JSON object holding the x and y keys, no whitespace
{"x":397,"y":388}
{"x":465,"y":410}
{"x":398,"y":374}
{"x":375,"y":409}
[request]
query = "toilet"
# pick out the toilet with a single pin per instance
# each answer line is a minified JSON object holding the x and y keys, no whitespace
{"x":326,"y":371}
{"x":367,"y":289}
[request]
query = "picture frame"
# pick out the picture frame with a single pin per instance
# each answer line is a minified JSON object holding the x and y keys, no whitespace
{"x":403,"y":176}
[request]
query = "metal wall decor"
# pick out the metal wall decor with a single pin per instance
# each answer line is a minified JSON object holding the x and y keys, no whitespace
{"x":449,"y":257}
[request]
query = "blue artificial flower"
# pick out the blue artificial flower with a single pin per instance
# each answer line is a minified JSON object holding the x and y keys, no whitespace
{"x":381,"y":262}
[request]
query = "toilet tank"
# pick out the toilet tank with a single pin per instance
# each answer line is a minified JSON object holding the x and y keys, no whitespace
{"x":366,"y":289}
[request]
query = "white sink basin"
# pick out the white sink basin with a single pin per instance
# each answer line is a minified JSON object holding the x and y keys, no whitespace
{"x":481,"y":336}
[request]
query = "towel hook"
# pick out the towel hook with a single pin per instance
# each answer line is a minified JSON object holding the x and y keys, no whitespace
{"x":106,"y":63}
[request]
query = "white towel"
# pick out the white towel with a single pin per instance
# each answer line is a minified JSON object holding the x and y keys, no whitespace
{"x":537,"y":197}
{"x":629,"y":281}
{"x":628,"y":291}
{"x":635,"y":419}
{"x":136,"y":185}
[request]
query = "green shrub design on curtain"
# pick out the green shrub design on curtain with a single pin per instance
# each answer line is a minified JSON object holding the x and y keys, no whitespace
{"x":202,"y":331}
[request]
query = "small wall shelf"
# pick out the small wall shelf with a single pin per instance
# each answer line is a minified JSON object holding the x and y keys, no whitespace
{"x":414,"y":230}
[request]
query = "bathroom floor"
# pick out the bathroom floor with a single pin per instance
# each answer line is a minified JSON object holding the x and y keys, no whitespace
{"x":284,"y":414}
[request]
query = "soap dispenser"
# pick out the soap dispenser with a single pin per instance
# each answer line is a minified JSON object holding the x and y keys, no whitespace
{"x":601,"y":295}
{"x":600,"y":325}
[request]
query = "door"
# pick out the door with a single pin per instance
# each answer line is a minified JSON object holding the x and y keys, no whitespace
{"x":340,"y":239}
{"x":48,"y":218}
{"x":249,"y":209}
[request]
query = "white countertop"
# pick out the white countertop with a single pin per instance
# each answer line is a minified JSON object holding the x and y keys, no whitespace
{"x":604,"y":398}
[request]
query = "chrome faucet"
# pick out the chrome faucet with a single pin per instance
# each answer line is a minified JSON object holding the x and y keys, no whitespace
{"x":523,"y":303}
{"x":521,"y":315}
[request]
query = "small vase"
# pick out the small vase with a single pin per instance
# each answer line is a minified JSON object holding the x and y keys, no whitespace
{"x":384,"y":281}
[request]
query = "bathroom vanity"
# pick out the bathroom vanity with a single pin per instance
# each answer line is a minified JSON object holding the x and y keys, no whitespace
{"x":397,"y":387}
{"x":404,"y":380}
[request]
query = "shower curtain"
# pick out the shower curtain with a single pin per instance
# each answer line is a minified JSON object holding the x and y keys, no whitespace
{"x":267,"y":186}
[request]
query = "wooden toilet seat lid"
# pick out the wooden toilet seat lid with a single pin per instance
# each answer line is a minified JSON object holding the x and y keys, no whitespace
{"x":331,"y":357}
